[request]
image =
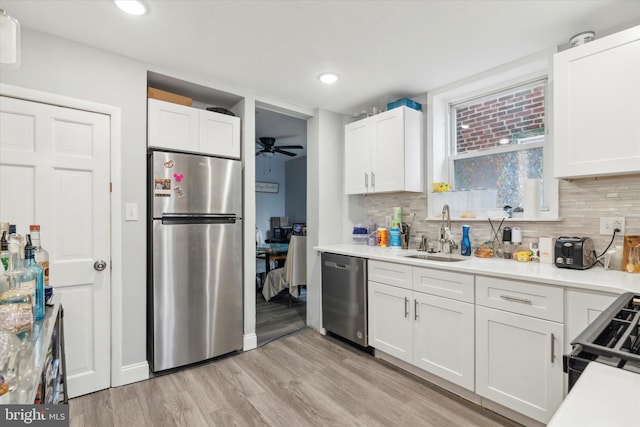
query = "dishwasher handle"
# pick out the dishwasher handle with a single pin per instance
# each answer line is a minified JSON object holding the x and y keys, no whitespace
{"x":333,"y":264}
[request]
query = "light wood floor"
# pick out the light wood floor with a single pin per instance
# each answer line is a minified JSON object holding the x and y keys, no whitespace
{"x":276,"y":318}
{"x":303,"y":379}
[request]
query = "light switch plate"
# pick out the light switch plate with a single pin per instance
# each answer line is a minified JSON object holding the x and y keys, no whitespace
{"x":131,"y":212}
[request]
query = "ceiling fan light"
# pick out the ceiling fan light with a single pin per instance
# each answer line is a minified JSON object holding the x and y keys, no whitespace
{"x":328,"y":78}
{"x":132,"y":7}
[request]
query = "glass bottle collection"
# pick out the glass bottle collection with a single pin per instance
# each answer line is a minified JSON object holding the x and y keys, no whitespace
{"x":24,"y":268}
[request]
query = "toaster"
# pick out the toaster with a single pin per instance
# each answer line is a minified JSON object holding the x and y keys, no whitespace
{"x":574,"y":252}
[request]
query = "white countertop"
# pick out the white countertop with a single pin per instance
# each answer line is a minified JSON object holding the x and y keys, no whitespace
{"x":602,"y":396}
{"x":594,"y":279}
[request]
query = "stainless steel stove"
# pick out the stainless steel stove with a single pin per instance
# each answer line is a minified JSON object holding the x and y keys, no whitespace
{"x":613,"y":338}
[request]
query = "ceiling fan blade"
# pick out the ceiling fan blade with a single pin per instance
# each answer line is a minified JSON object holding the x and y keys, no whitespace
{"x":299,"y":147}
{"x":286,"y":153}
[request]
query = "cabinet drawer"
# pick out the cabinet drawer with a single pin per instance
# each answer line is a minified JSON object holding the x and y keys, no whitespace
{"x":542,"y":301}
{"x":390,"y":274}
{"x":444,"y":284}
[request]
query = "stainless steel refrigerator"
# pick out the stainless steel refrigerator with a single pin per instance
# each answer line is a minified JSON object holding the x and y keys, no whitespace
{"x":195,"y":293}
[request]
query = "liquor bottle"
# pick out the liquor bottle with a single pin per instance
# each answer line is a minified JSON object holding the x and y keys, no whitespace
{"x":41,"y":254}
{"x":4,"y":245}
{"x":465,"y":245}
{"x":31,"y":264}
{"x":17,"y":304}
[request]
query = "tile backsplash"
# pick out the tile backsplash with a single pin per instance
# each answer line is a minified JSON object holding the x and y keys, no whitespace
{"x":582,"y":203}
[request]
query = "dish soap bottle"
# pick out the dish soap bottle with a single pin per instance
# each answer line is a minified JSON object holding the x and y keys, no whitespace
{"x":465,"y":245}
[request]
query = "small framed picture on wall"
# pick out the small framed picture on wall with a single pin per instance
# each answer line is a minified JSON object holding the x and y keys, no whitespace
{"x":267,"y":187}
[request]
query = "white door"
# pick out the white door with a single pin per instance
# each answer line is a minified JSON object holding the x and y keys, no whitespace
{"x":172,"y":126}
{"x":219,"y":134}
{"x":388,"y":153}
{"x":390,"y":320}
{"x":519,"y":362}
{"x":443,"y":338}
{"x":357,"y":154}
{"x":54,"y":171}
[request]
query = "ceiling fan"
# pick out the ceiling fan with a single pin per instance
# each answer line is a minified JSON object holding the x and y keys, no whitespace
{"x":269,"y":148}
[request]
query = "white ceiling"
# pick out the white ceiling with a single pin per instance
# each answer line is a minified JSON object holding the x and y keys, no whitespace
{"x":381,"y":50}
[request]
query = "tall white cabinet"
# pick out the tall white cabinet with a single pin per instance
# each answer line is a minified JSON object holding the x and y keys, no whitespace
{"x":597,"y":107}
{"x":181,"y":128}
{"x":384,"y":153}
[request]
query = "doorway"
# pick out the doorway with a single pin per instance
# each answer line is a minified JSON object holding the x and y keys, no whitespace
{"x":281,"y":193}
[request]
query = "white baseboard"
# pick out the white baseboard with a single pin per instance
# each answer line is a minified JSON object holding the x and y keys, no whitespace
{"x":249,"y":342}
{"x":131,"y":374}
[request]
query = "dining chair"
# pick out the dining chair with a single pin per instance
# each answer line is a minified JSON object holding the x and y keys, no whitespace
{"x":292,"y":275}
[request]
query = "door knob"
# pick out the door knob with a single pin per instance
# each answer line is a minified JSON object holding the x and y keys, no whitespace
{"x":100,"y":265}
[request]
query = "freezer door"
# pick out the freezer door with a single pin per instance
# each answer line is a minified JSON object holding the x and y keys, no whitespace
{"x":190,"y":183}
{"x":197,"y":291}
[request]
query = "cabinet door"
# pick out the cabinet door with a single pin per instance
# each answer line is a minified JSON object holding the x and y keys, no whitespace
{"x":390,"y":320}
{"x":172,"y":126}
{"x":357,"y":157}
{"x":219,"y":134}
{"x":443,"y":338}
{"x":582,"y":309}
{"x":387,"y":169}
{"x":519,"y":362}
{"x":596,"y":107}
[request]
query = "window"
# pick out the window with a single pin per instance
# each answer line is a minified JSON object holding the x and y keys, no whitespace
{"x":497,"y":142}
{"x":488,"y":138}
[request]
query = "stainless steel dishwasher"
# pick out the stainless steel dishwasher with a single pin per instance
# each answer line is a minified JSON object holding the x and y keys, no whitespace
{"x":344,"y":297}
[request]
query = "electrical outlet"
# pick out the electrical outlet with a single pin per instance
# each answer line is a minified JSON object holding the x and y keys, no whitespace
{"x":610,"y":223}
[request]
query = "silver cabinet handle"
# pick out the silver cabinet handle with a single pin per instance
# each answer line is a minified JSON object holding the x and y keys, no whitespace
{"x":553,"y":342}
{"x":100,"y":265}
{"x":366,"y":180}
{"x":373,"y":180}
{"x":415,"y":309}
{"x":514,"y":299}
{"x":406,"y":307}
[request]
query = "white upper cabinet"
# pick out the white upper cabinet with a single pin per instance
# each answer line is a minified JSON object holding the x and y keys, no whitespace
{"x":597,"y":107}
{"x":384,"y":153}
{"x":219,"y":134}
{"x":181,"y":128}
{"x":172,"y":126}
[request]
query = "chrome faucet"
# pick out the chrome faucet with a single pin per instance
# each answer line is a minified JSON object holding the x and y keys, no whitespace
{"x":446,"y":244}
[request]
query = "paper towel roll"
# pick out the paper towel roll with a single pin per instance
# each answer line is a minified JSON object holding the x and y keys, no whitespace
{"x":531,"y":203}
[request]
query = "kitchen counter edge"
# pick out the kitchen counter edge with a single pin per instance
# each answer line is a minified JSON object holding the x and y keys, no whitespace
{"x":594,"y":279}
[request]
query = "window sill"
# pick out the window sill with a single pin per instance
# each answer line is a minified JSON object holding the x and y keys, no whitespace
{"x":506,"y":220}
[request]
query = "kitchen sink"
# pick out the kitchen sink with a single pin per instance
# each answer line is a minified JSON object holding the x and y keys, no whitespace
{"x":438,"y":257}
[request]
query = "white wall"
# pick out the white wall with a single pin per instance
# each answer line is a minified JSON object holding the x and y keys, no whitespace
{"x":270,"y":204}
{"x":61,"y":67}
{"x":325,"y":199}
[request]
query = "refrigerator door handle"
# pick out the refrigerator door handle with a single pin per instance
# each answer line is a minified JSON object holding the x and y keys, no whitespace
{"x":174,"y":218}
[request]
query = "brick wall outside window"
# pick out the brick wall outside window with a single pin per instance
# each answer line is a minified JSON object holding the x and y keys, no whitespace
{"x":506,"y":116}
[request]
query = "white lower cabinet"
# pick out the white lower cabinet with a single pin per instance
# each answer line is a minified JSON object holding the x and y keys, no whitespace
{"x":443,"y":338}
{"x":433,"y":333}
{"x":519,"y":362}
{"x":390,"y":321}
{"x":582,"y":309}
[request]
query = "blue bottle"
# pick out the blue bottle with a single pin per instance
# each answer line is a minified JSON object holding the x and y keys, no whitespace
{"x":465,"y":245}
{"x":31,"y":264}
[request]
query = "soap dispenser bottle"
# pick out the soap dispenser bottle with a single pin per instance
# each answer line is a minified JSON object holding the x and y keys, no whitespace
{"x":465,"y":244}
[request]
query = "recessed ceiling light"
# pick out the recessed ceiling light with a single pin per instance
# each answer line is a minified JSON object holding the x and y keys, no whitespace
{"x":132,"y":7}
{"x":328,"y":78}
